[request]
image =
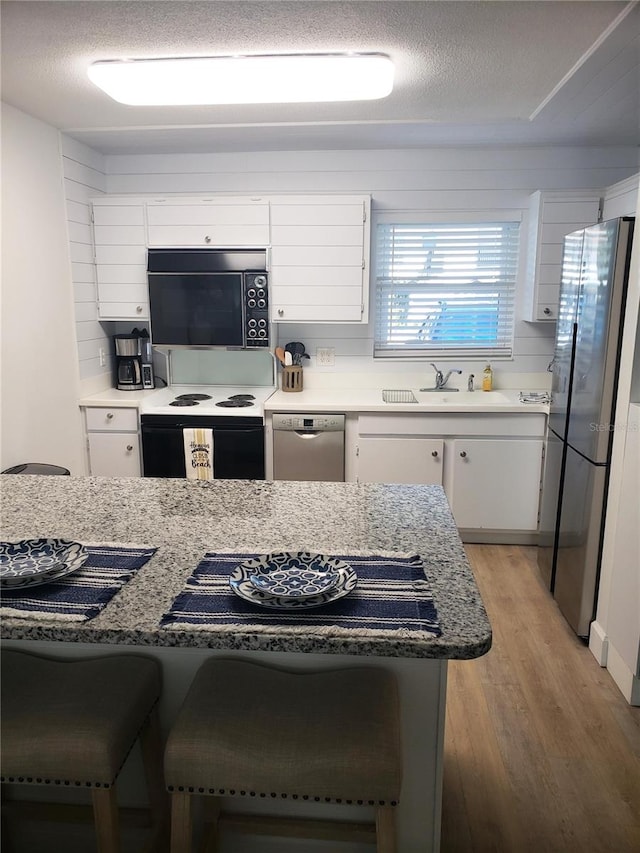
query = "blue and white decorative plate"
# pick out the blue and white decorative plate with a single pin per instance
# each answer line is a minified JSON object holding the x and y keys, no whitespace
{"x":31,"y":562}
{"x":329,"y":578}
{"x":298,"y":575}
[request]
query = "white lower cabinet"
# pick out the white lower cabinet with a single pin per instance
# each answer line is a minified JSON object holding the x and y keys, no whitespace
{"x":407,"y":459}
{"x":495,"y":484}
{"x":490,"y":465}
{"x":113,"y":439}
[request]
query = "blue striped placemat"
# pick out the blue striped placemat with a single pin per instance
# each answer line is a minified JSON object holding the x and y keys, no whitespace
{"x":392,"y":594}
{"x":82,"y":594}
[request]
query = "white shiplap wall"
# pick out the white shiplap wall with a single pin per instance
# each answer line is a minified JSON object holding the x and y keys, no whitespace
{"x":84,"y":178}
{"x":438,"y":180}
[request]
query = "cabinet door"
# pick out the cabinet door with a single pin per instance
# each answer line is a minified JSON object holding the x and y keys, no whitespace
{"x":226,"y":222}
{"x":551,"y":217}
{"x":320,"y":259}
{"x":121,"y":257}
{"x":114,"y":454}
{"x":409,"y":459}
{"x":495,"y":483}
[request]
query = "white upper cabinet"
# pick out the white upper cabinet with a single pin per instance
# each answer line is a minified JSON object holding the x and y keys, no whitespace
{"x":552,"y":215}
{"x":222,"y":222}
{"x":320,"y":259}
{"x":120,"y":244}
{"x":319,"y":249}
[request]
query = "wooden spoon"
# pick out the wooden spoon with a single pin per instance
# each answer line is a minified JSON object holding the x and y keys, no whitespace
{"x":280,"y":354}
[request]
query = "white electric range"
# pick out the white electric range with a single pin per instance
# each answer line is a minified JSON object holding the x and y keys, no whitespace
{"x":234,"y":415}
{"x":207,"y":400}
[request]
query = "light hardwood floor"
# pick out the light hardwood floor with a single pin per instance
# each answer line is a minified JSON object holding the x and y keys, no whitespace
{"x":542,"y":752}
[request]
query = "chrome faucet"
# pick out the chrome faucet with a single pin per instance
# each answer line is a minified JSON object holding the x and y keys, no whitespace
{"x":441,"y":380}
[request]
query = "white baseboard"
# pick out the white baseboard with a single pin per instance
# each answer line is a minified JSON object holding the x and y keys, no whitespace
{"x":598,"y":643}
{"x":627,"y":681}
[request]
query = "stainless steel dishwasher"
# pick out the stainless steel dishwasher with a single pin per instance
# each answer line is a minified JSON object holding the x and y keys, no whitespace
{"x":308,"y":447}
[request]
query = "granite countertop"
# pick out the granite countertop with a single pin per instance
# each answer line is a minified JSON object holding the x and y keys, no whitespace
{"x":184,"y":519}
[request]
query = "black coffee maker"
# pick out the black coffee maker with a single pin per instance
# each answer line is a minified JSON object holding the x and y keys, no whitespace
{"x":128,"y":363}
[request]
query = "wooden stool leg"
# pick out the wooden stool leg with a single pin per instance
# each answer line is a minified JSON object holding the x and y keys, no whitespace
{"x":152,"y":750}
{"x":180,"y":822}
{"x":385,"y":829}
{"x":213,"y":808}
{"x":105,"y":815}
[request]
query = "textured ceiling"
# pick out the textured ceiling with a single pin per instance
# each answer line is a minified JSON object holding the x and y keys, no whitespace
{"x":465,"y":71}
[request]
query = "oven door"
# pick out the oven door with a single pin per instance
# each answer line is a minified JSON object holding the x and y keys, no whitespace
{"x":238,"y":446}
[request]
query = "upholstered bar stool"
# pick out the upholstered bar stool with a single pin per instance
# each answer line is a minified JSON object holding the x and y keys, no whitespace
{"x":72,"y":723}
{"x":252,"y":731}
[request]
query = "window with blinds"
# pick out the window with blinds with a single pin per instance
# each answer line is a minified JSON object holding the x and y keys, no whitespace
{"x":445,"y":289}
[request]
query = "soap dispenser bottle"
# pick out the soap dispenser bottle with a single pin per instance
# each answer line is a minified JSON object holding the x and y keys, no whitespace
{"x":487,"y":378}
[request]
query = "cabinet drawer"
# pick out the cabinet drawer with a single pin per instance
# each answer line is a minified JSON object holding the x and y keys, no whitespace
{"x":112,"y":419}
{"x":209,"y":235}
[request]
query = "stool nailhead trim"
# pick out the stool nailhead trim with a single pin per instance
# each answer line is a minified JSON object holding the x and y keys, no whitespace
{"x":222,"y":792}
{"x":29,"y":780}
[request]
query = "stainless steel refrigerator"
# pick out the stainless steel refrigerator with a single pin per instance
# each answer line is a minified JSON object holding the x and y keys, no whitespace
{"x":585,"y":366}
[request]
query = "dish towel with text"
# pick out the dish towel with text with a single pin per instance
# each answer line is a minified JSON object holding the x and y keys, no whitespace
{"x":392,"y":596}
{"x":83,"y":594}
{"x":198,"y":453}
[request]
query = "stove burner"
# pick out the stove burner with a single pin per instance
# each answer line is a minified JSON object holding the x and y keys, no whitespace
{"x":193,"y":397}
{"x":234,"y":404}
{"x":182,"y":402}
{"x":241,"y":397}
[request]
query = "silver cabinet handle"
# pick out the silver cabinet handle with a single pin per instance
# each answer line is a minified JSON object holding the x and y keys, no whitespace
{"x":434,"y":453}
{"x":129,"y":447}
{"x":280,"y":312}
{"x":109,"y":416}
{"x":463,"y":453}
{"x":139,"y":309}
{"x":207,"y":239}
{"x":546,"y":311}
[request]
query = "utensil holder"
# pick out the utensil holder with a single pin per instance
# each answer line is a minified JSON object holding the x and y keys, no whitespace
{"x":292,"y":378}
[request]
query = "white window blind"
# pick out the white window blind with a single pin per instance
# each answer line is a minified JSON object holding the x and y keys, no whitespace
{"x":445,"y":289}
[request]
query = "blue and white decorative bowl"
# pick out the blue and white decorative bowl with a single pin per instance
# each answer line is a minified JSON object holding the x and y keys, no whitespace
{"x":292,"y":580}
{"x":31,"y":562}
{"x":299,"y":575}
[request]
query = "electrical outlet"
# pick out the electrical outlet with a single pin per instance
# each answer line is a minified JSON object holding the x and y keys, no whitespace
{"x":325,"y":357}
{"x":102,"y":357}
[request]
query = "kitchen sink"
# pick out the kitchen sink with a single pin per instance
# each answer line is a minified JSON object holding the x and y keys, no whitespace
{"x":398,"y":395}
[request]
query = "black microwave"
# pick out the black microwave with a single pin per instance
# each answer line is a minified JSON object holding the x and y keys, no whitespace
{"x":209,"y":297}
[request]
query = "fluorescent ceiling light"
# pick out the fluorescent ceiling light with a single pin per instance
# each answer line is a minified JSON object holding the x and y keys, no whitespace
{"x":285,"y":78}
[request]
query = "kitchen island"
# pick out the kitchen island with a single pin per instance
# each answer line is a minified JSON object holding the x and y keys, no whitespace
{"x":186,"y":519}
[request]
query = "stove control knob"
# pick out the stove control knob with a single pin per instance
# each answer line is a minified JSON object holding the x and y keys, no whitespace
{"x":251,"y":323}
{"x":260,"y":281}
{"x":251,"y":292}
{"x":262,"y":333}
{"x":261,"y":303}
{"x":252,"y":333}
{"x":261,"y":323}
{"x":251,"y":303}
